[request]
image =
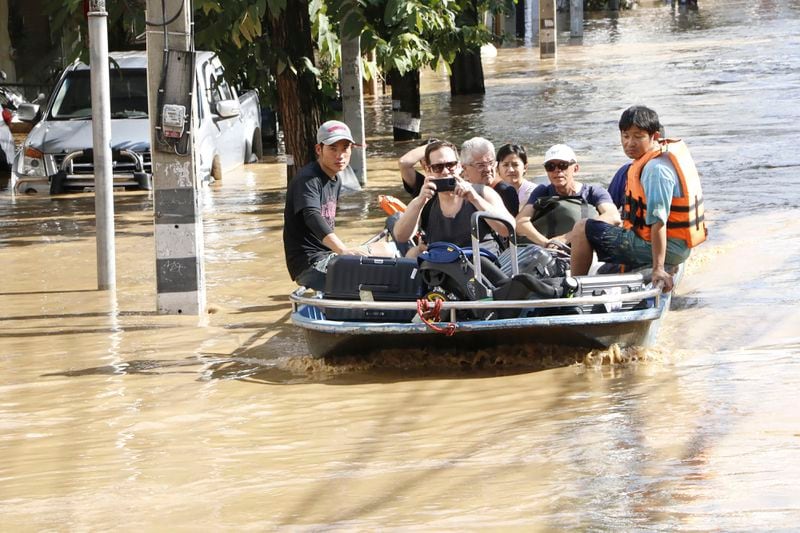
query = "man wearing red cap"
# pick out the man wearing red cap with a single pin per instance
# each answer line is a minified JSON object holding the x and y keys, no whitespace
{"x":309,"y":241}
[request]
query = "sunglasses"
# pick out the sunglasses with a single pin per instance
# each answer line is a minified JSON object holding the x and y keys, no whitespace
{"x":438,"y":168}
{"x":561,"y":165}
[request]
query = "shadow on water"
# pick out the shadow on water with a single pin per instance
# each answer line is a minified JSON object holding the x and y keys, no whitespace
{"x":33,"y":293}
{"x":618,"y":459}
{"x":153,"y":367}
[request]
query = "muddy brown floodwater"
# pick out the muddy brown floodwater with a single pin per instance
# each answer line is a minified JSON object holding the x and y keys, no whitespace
{"x":113,"y":417}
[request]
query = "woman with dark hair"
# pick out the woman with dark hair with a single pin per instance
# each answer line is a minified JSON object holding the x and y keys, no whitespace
{"x":512,"y":163}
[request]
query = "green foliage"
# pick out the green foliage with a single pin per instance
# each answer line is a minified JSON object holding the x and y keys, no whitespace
{"x":411,"y":34}
{"x":68,"y":25}
{"x":405,"y":34}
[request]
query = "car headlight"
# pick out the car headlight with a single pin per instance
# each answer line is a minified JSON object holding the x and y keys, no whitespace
{"x":32,"y":163}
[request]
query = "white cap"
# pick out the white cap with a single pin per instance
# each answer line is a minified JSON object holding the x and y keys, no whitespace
{"x":333,"y":131}
{"x":560,"y":152}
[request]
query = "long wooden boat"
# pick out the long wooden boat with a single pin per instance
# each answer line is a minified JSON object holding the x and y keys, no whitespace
{"x":621,"y":309}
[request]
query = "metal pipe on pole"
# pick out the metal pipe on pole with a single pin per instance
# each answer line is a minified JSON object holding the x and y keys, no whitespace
{"x":101,"y":144}
{"x":353,"y":103}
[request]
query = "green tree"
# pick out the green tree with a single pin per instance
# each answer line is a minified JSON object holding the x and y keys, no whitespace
{"x":270,"y":45}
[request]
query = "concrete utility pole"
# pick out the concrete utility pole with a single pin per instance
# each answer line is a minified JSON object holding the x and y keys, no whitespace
{"x":353,"y":103}
{"x":531,"y":21}
{"x":576,"y":18}
{"x":101,"y":144}
{"x":180,"y":273}
{"x":547,"y":29}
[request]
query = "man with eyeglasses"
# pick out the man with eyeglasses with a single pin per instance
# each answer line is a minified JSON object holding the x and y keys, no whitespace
{"x":552,"y":210}
{"x":480,"y":167}
{"x":446,"y":202}
{"x":412,"y":179}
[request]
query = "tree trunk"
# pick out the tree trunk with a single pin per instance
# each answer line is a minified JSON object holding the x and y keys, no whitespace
{"x":520,"y":19}
{"x":467,"y":73}
{"x":405,"y":105}
{"x":299,"y":100}
{"x":467,"y":69}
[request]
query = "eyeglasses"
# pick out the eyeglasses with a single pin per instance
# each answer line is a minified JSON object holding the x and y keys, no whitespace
{"x":483,"y":165}
{"x":438,"y":168}
{"x":550,"y":166}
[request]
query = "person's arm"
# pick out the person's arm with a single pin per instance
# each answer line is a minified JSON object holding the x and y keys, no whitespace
{"x":488,"y":201}
{"x":525,"y":226}
{"x":406,"y":225}
{"x":407,"y":163}
{"x":333,"y":242}
{"x":658,"y":234}
{"x":320,"y":228}
{"x":609,"y":213}
{"x":659,"y":181}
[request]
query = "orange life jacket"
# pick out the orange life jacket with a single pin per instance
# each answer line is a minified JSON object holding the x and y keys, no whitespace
{"x":390,"y":204}
{"x":686,"y":215}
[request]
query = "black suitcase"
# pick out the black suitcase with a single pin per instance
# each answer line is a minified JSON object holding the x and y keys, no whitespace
{"x":353,"y":277}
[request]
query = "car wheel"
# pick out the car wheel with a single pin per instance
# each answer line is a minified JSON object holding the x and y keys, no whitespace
{"x":58,"y":183}
{"x":216,"y":169}
{"x":256,"y":148}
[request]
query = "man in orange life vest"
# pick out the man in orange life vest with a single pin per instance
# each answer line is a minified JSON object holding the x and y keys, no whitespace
{"x":663,"y":216}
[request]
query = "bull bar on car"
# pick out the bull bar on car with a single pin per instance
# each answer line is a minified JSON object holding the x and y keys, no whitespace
{"x":74,"y":171}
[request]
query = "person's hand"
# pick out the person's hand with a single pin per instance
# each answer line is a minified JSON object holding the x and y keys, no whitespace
{"x":362,"y":251}
{"x":428,"y":190}
{"x":665,"y":278}
{"x":559,"y":242}
{"x":465,"y":190}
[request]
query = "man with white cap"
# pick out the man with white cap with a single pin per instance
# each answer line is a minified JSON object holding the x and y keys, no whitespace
{"x":553,"y":209}
{"x":309,"y":241}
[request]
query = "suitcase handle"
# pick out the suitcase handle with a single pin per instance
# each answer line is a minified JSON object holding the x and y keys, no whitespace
{"x":374,"y":287}
{"x":378,"y":261}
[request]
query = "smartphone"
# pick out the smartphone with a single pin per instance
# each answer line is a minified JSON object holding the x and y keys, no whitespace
{"x":445,"y":184}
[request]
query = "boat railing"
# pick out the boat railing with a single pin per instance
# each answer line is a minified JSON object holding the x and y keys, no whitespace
{"x":298,"y":297}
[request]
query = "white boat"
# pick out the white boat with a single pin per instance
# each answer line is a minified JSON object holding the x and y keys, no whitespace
{"x":598,"y":311}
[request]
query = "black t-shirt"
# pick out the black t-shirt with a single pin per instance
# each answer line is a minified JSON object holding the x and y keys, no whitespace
{"x":419,"y":181}
{"x":311,"y":189}
{"x":509,"y":195}
{"x":455,"y":230}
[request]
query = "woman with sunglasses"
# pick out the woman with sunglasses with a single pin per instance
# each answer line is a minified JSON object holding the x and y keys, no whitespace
{"x":553,"y":209}
{"x":445,"y":203}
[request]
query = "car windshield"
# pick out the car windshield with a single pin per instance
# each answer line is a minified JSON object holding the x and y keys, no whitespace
{"x":128,"y":95}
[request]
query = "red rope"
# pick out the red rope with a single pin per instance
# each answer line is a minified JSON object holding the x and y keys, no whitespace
{"x":430,"y":312}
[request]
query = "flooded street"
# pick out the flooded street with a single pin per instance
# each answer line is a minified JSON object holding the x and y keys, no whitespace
{"x":114,"y":417}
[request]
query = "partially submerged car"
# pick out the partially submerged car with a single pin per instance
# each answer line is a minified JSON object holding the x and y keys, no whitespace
{"x":57,"y":155}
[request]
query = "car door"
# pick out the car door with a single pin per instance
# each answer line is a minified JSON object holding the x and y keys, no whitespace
{"x":230,"y":137}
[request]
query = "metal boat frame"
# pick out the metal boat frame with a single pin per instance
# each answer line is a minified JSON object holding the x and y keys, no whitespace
{"x":605,"y":325}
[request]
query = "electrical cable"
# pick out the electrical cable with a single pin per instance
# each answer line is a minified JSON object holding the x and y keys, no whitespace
{"x":165,"y":68}
{"x":164,"y":17}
